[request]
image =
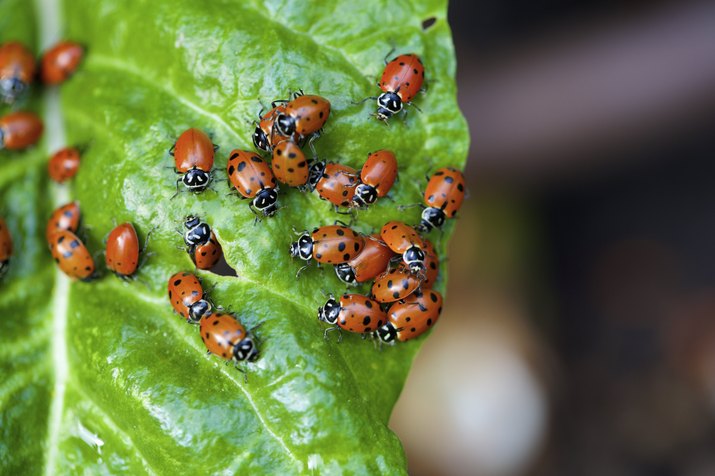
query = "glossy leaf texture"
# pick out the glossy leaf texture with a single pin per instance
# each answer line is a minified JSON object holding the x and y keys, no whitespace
{"x":102,"y":377}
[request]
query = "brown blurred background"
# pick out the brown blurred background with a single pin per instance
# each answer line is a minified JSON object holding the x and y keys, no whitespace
{"x":579,"y":332}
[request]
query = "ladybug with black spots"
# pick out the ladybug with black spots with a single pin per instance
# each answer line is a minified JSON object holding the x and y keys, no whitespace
{"x":225,"y":337}
{"x":335,"y":183}
{"x":64,"y":164}
{"x":17,"y":70}
{"x":187,"y":297}
{"x":193,"y":159}
{"x":376,"y":178}
{"x":332,"y":244}
{"x":264,"y":137}
{"x":65,"y":217}
{"x":289,"y":164}
{"x":373,"y":260}
{"x":71,"y":255}
{"x":404,"y":240}
{"x":5,"y":247}
{"x":20,"y":130}
{"x":411,"y":317}
{"x":252,"y":177}
{"x":443,"y":198}
{"x":207,"y":255}
{"x":197,"y":232}
{"x":401,"y":80}
{"x":353,"y":313}
{"x":60,"y":62}
{"x":395,"y":284}
{"x":306,"y":114}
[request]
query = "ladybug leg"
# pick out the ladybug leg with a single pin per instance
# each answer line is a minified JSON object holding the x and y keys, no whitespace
{"x":411,"y":104}
{"x":330,"y":329}
{"x":297,"y":274}
{"x":389,"y":54}
{"x":177,"y":189}
{"x":171,"y":150}
{"x":412,"y":205}
{"x":244,"y":371}
{"x":370,"y":98}
{"x":338,"y":222}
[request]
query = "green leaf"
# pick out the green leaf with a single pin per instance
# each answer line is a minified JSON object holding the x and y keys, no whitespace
{"x":102,"y":377}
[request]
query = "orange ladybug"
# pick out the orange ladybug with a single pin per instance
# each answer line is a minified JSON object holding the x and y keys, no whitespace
{"x":412,"y":317}
{"x":64,"y":164}
{"x":71,"y":255}
{"x":193,"y":159}
{"x":373,"y":260}
{"x":122,"y":253}
{"x":335,"y":183}
{"x":443,"y":198}
{"x":61,"y":61}
{"x":401,"y":80}
{"x":224,"y":336}
{"x":404,"y":240}
{"x":332,"y":244}
{"x":187,"y":297}
{"x":65,"y":217}
{"x":376,"y":178}
{"x":431,"y":265}
{"x":5,"y":247}
{"x":253,"y":178}
{"x":304,"y":115}
{"x":19,"y":130}
{"x":289,"y":164}
{"x":17,"y":70}
{"x":206,"y":256}
{"x":263,"y":136}
{"x":352,"y":312}
{"x":394,"y":285}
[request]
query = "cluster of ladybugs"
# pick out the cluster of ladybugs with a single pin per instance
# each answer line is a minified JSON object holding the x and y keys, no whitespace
{"x":402,"y":263}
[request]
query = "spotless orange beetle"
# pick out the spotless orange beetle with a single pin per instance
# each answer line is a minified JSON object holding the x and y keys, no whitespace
{"x":19,"y":130}
{"x":122,"y":253}
{"x":17,"y":70}
{"x":61,"y":61}
{"x":64,"y":164}
{"x":193,"y":158}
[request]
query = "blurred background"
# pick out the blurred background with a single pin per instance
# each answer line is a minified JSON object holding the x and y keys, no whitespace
{"x":578,"y":336}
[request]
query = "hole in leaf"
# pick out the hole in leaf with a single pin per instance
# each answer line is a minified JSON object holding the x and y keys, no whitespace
{"x":222,"y":268}
{"x":428,"y":22}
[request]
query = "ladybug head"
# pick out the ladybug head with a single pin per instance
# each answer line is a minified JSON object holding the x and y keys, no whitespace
{"x":364,"y":195}
{"x":265,"y":201}
{"x":196,"y":180}
{"x":329,"y":312}
{"x":315,"y":173}
{"x":431,"y":218}
{"x":198,"y":310}
{"x":285,"y":125}
{"x":303,"y":248}
{"x":11,"y":89}
{"x":388,"y":104}
{"x":345,"y":273}
{"x":386,"y":333}
{"x":245,"y":350}
{"x":260,"y":140}
{"x":414,"y":258}
{"x":198,"y":234}
{"x":191,"y":222}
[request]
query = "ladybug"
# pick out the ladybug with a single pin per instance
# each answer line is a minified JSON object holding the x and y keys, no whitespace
{"x":17,"y":69}
{"x":404,"y":240}
{"x":65,"y":217}
{"x":5,"y":247}
{"x":289,"y":164}
{"x":353,"y":313}
{"x":64,"y":164}
{"x":431,"y":265}
{"x":253,"y":178}
{"x":72,"y":255}
{"x":395,"y":284}
{"x":336,"y":183}
{"x":193,"y":157}
{"x":373,"y":259}
{"x":263,"y":137}
{"x":197,"y":232}
{"x":224,"y":336}
{"x":376,"y":178}
{"x":207,"y":255}
{"x":401,"y":80}
{"x":443,"y":197}
{"x":61,"y":61}
{"x":187,"y":297}
{"x":122,"y":253}
{"x":19,"y":130}
{"x":412,"y":317}
{"x":332,"y":244}
{"x":304,"y":115}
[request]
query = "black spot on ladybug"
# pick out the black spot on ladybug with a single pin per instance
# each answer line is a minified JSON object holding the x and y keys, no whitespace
{"x":279,"y":151}
{"x":339,"y":232}
{"x":321,"y":114}
{"x":231,"y":169}
{"x":396,"y":295}
{"x":393,"y":227}
{"x":241,"y":165}
{"x":343,"y":322}
{"x":314,"y":101}
{"x":415,"y":71}
{"x":448,"y":179}
{"x":433,"y":297}
{"x":366,"y":320}
{"x":255,"y":158}
{"x":389,"y":283}
{"x":460,"y":187}
{"x":177,"y":282}
{"x":346,"y":257}
{"x":402,"y":63}
{"x":356,"y":245}
{"x":341,"y":246}
{"x":405,"y":284}
{"x":345,"y":193}
{"x":408,"y":319}
{"x":248,"y":191}
{"x":67,"y":254}
{"x":413,"y":330}
{"x":429,"y":322}
{"x":318,"y":256}
{"x":368,"y":304}
{"x":215,"y":322}
{"x":291,"y":170}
